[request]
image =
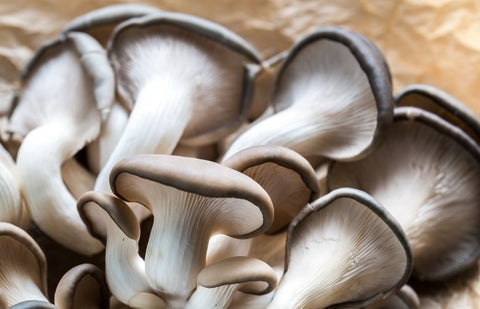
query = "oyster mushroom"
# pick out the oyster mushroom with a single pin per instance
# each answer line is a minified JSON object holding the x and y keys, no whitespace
{"x":217,"y":282}
{"x":23,"y":267}
{"x":427,"y":174}
{"x":332,"y":98}
{"x":55,"y":122}
{"x":111,"y":220}
{"x":343,"y":250}
{"x":82,"y":287}
{"x":183,"y":78}
{"x":442,"y":104}
{"x":190,"y":199}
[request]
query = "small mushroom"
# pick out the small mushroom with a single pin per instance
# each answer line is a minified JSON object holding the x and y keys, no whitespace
{"x":23,"y":267}
{"x":120,"y":230}
{"x":183,"y":78}
{"x":82,"y":287}
{"x":442,"y":104}
{"x":217,"y":282}
{"x":190,"y":199}
{"x":343,"y":250}
{"x":332,"y":98}
{"x":427,"y":174}
{"x":69,"y":85}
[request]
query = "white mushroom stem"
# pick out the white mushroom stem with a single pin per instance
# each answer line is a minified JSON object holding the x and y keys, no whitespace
{"x":51,"y":205}
{"x":162,"y":111}
{"x":206,"y":298}
{"x":124,"y":268}
{"x":100,"y":150}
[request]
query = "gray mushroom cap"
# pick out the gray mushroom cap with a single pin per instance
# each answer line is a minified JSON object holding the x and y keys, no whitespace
{"x":109,"y":15}
{"x":368,"y":254}
{"x":84,"y":287}
{"x":427,"y":174}
{"x":437,"y":101}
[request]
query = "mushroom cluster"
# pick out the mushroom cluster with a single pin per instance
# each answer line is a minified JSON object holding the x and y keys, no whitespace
{"x":140,"y":142}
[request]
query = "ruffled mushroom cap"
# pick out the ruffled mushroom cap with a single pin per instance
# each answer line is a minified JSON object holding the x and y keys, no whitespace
{"x":68,"y":85}
{"x":183,"y":78}
{"x":286,"y":176}
{"x":343,"y":250}
{"x":100,"y":23}
{"x":23,"y":267}
{"x":427,"y":174}
{"x":82,"y":287}
{"x":217,"y":282}
{"x":332,"y":98}
{"x":438,"y":102}
{"x":111,"y":220}
{"x":190,"y":199}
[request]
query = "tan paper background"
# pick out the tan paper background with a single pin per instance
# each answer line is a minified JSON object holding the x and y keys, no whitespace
{"x":433,"y":41}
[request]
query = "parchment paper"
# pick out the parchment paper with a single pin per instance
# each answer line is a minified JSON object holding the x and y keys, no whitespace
{"x":433,"y":41}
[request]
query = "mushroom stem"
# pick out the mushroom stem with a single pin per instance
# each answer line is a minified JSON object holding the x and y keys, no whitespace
{"x":287,"y":128}
{"x":125,"y":276}
{"x":51,"y":205}
{"x":179,"y":251}
{"x":152,"y":127}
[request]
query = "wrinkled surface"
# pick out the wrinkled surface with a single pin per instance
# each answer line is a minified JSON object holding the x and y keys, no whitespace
{"x":430,"y":41}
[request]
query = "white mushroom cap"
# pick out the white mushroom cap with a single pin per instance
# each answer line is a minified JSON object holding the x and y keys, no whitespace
{"x":427,"y":174}
{"x":344,"y":249}
{"x":190,"y":199}
{"x":68,"y":85}
{"x":332,"y":98}
{"x":23,"y":267}
{"x":217,"y":282}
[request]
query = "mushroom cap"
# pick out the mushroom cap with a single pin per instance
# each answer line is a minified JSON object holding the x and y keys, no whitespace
{"x":205,"y":178}
{"x":286,"y":176}
{"x":95,"y":64}
{"x":239,"y":269}
{"x":109,"y":15}
{"x":337,"y":45}
{"x":221,"y":54}
{"x":442,"y":104}
{"x":83,"y":286}
{"x":19,"y":243}
{"x":368,"y":254}
{"x":90,"y":205}
{"x":427,"y":174}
